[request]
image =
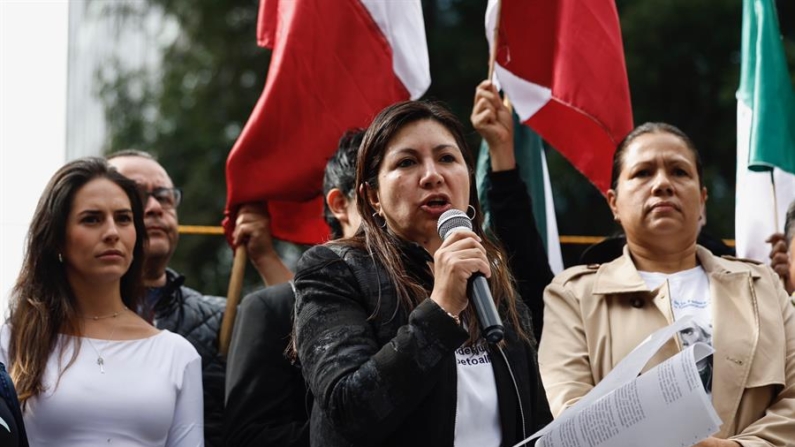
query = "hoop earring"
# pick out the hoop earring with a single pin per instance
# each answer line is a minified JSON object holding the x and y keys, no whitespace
{"x":376,"y":216}
{"x":474,"y":212}
{"x":60,"y":258}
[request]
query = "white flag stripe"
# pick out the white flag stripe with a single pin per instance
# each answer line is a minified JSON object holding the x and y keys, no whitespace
{"x":403,"y":26}
{"x":527,"y":98}
{"x":553,"y":241}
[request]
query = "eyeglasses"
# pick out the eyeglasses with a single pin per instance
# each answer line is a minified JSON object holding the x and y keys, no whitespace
{"x":166,"y":197}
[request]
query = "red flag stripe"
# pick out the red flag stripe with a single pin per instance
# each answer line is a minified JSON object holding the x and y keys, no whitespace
{"x":579,"y":137}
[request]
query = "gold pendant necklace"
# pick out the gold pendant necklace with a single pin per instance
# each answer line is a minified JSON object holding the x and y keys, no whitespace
{"x":100,"y":358}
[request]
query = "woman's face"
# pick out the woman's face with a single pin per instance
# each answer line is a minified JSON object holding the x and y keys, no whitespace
{"x":422,"y":175}
{"x":100,"y":234}
{"x":658,"y":192}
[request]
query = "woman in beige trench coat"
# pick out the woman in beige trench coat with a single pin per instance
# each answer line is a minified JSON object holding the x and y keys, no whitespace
{"x":596,"y":314}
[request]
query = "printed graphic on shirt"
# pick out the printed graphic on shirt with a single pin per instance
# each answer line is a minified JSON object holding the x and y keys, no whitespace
{"x":695,"y":334}
{"x":689,"y":292}
{"x":477,"y":422}
{"x":473,"y":355}
{"x":690,"y":303}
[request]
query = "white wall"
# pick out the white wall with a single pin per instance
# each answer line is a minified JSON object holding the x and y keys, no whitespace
{"x":33,"y":79}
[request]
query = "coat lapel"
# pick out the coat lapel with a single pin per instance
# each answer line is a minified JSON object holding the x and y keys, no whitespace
{"x":620,"y":280}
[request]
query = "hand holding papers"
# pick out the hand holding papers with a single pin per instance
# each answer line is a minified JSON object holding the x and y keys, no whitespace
{"x":665,"y":407}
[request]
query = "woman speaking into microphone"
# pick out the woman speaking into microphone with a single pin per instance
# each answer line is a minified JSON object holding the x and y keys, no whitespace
{"x":388,"y":341}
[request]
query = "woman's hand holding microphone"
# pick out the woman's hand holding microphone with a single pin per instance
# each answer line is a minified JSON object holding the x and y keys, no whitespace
{"x":459,"y":257}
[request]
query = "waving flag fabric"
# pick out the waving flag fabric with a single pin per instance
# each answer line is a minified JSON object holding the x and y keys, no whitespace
{"x":561,"y":62}
{"x":335,"y":65}
{"x":765,"y":132}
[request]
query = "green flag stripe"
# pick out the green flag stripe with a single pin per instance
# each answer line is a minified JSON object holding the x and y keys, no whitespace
{"x":766,"y":89}
{"x":528,"y":148}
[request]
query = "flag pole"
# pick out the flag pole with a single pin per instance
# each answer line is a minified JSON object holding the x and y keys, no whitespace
{"x":494,"y":41}
{"x":232,"y":298}
{"x":775,"y":202}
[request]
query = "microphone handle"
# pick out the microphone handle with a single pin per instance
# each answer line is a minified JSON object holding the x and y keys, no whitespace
{"x":480,"y":296}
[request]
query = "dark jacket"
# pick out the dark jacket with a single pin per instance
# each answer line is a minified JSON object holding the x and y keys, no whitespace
{"x":9,"y":397}
{"x":196,"y":317}
{"x":513,"y":222}
{"x":382,"y":377}
{"x":265,"y":392}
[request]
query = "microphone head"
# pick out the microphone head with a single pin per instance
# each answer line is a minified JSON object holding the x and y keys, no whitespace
{"x":452,"y":220}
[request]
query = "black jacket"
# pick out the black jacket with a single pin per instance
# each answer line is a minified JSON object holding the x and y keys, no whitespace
{"x":513,"y":222}
{"x":197,"y":317}
{"x":265,"y":392}
{"x":381,"y":377}
{"x":8,"y":398}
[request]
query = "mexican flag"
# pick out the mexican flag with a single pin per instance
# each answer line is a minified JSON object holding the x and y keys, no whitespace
{"x":765,"y":132}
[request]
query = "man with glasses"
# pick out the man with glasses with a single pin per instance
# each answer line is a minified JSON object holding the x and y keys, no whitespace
{"x":169,"y":304}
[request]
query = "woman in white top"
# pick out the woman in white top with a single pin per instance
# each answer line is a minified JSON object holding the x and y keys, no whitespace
{"x":88,"y":370}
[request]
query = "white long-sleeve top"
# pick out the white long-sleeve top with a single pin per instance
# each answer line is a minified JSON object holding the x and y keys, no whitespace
{"x":149,"y":395}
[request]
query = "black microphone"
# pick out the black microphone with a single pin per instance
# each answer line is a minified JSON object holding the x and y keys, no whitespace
{"x":477,"y":288}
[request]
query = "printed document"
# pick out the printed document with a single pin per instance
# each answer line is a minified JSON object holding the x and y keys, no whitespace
{"x":667,"y":406}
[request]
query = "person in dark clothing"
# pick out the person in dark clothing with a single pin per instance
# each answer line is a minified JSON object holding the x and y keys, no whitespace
{"x":265,"y":392}
{"x":169,"y":303}
{"x":265,"y":401}
{"x":388,"y":344}
{"x":511,"y":209}
{"x":12,"y":426}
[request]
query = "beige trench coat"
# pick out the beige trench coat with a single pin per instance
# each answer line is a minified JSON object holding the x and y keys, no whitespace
{"x":595,"y":315}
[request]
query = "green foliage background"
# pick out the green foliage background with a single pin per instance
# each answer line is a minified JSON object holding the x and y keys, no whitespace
{"x":682,"y":60}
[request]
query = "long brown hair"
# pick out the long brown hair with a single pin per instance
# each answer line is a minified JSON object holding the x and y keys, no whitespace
{"x":381,"y":244}
{"x":42,"y":302}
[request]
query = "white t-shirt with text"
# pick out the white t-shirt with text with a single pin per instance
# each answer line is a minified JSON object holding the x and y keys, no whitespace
{"x":477,"y":421}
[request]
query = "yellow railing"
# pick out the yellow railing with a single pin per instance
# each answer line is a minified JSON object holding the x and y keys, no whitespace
{"x":200,"y":229}
{"x":576,"y":240}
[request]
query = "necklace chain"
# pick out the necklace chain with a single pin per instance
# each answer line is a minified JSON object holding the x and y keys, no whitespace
{"x":102,"y":317}
{"x":100,"y":358}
